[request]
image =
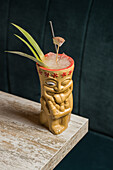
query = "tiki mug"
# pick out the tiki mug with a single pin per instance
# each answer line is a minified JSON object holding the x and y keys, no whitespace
{"x":56,"y":96}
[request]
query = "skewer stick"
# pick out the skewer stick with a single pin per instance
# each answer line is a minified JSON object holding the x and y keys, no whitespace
{"x":57,"y":54}
{"x":52,"y":31}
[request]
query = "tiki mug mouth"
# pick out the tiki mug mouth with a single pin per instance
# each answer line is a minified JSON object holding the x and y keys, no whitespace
{"x":56,"y":91}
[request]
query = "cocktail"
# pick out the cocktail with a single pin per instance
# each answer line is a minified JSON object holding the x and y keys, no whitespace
{"x":55,"y":72}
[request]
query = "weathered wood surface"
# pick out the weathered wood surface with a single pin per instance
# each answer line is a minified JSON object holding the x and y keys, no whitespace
{"x":25,"y":144}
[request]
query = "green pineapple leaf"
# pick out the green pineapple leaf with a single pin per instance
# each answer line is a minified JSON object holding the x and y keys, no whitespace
{"x":28,"y":56}
{"x":31,"y":40}
{"x":29,"y":46}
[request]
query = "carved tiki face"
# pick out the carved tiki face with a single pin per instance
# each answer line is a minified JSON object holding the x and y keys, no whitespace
{"x":56,"y":95}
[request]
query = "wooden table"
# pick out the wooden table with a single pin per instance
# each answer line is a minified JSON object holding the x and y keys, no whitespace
{"x":25,"y":144}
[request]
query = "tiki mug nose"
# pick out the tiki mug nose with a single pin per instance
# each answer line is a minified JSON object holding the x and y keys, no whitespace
{"x":59,"y":87}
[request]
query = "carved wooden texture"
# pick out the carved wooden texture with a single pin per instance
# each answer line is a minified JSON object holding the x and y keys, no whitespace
{"x":25,"y":144}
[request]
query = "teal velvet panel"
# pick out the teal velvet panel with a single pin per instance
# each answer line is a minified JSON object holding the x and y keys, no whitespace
{"x":93,"y":152}
{"x":4,"y":11}
{"x":69,"y":20}
{"x":96,"y":95}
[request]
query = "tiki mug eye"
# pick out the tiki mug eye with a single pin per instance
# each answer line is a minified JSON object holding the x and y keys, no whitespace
{"x":65,"y":82}
{"x":50,"y":83}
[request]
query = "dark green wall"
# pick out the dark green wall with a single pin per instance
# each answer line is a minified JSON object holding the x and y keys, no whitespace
{"x":96,"y":93}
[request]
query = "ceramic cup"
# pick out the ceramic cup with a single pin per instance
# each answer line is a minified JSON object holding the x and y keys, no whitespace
{"x":56,"y":96}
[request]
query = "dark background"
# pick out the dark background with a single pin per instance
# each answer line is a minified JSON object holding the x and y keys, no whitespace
{"x":87,"y":26}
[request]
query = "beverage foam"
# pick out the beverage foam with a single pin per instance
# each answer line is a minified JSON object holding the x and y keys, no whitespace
{"x":62,"y":61}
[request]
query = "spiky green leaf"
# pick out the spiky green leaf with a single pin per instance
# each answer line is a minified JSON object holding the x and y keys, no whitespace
{"x":28,"y":56}
{"x":29,"y":46}
{"x":31,"y":40}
